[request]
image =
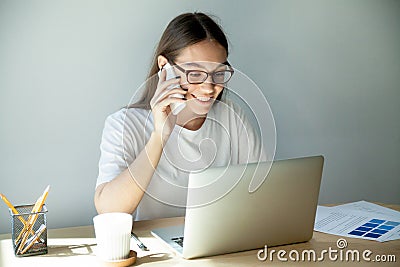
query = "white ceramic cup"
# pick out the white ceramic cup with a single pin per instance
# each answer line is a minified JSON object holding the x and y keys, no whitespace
{"x":113,"y":234}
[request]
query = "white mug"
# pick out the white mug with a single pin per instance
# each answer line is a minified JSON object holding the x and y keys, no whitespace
{"x":113,"y":234}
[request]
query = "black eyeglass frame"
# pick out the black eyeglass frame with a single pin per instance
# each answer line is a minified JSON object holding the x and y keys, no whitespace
{"x":187,"y":72}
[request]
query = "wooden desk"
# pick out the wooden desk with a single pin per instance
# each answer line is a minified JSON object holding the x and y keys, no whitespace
{"x":75,"y":246}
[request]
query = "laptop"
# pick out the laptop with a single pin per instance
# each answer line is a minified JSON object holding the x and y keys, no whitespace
{"x":224,"y":216}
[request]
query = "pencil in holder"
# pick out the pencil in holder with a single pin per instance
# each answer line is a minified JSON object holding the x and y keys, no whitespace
{"x":29,"y":231}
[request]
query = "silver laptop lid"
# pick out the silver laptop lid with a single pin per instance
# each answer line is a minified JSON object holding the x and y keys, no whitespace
{"x":223,"y":216}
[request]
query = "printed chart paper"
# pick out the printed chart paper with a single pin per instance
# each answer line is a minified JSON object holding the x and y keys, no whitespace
{"x":359,"y":220}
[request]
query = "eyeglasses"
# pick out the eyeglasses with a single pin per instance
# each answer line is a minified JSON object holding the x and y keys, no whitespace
{"x":200,"y":76}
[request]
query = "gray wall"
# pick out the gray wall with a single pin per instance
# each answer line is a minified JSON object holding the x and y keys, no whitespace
{"x":329,"y":69}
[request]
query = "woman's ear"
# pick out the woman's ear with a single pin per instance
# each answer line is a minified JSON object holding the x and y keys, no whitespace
{"x":161,"y":61}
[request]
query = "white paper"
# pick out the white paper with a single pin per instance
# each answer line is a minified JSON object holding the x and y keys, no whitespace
{"x":359,"y":220}
{"x":372,"y":208}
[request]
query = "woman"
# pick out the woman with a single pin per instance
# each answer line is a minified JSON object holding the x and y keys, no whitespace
{"x":147,"y":152}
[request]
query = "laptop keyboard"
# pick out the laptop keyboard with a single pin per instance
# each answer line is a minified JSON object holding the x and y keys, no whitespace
{"x":178,"y":240}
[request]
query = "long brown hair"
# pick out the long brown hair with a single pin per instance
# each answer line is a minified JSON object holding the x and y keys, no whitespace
{"x":184,"y":30}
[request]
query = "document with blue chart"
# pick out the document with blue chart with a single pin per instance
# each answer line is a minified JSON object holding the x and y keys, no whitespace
{"x":359,"y":220}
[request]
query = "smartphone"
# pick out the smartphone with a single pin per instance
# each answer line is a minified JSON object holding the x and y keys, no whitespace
{"x":175,"y":107}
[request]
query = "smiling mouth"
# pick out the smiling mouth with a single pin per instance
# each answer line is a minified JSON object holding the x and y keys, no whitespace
{"x":202,"y":98}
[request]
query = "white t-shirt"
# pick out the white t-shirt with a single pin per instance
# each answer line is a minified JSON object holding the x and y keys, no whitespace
{"x":226,"y":137}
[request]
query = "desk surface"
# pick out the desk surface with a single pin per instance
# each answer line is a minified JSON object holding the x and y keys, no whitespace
{"x":77,"y":245}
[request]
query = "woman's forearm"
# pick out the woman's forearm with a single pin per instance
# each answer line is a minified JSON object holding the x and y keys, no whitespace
{"x":125,"y":191}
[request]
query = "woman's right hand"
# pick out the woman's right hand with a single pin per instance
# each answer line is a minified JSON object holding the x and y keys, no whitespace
{"x":164,"y":120}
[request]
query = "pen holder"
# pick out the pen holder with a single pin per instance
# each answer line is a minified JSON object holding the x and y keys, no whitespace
{"x":29,"y":242}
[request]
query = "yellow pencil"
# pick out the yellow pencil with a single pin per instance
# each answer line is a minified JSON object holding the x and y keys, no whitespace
{"x":3,"y":197}
{"x":26,"y":226}
{"x":33,"y":239}
{"x":32,"y":218}
{"x":13,"y":209}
